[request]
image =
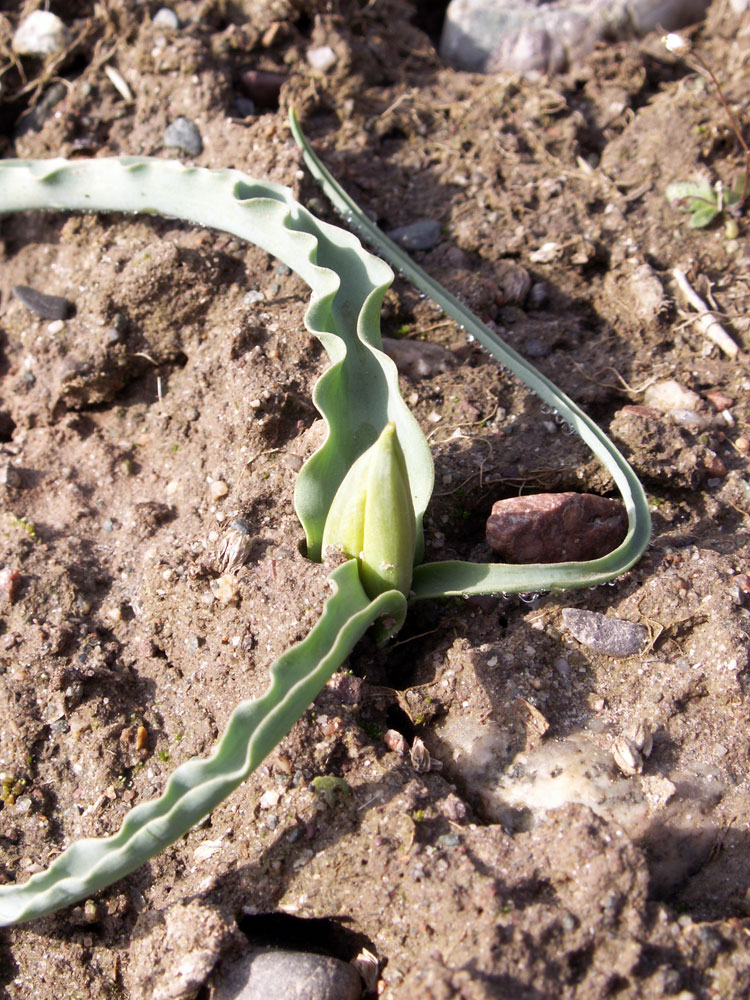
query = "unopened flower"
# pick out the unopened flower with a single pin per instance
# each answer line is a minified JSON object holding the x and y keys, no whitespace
{"x":372,"y":518}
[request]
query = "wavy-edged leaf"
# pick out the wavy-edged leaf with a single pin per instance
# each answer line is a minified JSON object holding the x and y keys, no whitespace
{"x":440,"y":579}
{"x":198,"y":786}
{"x":358,"y":395}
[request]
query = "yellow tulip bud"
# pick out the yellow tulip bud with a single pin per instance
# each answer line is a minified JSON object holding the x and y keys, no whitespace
{"x":372,"y":518}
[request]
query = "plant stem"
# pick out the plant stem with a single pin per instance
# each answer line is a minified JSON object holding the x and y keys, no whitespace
{"x":735,"y":125}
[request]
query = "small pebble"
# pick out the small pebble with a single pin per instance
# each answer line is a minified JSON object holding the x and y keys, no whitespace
{"x":321,"y":58}
{"x":610,"y":636}
{"x":546,"y":253}
{"x":183,"y":134}
{"x":421,"y":235}
{"x":218,"y":489}
{"x":713,"y":464}
{"x":396,"y":742}
{"x":10,"y":580}
{"x":670,"y":395}
{"x":47,"y":306}
{"x":42,"y":34}
{"x":245,"y":107}
{"x":719,"y":400}
{"x":9,"y":476}
{"x":289,"y":975}
{"x":166,"y":18}
{"x":538,"y":296}
{"x":225,"y":589}
{"x":690,"y":419}
{"x":646,"y":293}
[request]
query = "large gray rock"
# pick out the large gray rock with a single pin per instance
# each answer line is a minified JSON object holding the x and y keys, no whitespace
{"x":542,"y":36}
{"x":289,"y":975}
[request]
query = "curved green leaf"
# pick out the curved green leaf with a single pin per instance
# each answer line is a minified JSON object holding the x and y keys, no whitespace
{"x":358,"y":395}
{"x":448,"y":578}
{"x":198,"y":786}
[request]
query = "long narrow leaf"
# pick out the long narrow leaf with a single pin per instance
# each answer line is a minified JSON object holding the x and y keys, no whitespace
{"x":198,"y":786}
{"x":440,"y":579}
{"x":358,"y":395}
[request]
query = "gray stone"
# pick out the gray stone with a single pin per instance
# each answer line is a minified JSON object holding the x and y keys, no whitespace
{"x":472,"y":28}
{"x":288,"y":975}
{"x":46,"y":306}
{"x":542,"y":36}
{"x":183,"y":134}
{"x":40,"y":34}
{"x":610,"y":636}
{"x":245,"y":107}
{"x":420,"y":235}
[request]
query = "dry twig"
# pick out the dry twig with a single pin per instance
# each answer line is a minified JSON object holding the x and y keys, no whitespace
{"x":705,"y":319}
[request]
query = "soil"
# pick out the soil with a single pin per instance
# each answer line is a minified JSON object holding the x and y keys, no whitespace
{"x":117,"y":659}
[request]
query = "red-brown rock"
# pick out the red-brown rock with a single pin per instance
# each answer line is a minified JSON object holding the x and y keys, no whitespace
{"x":555,"y":527}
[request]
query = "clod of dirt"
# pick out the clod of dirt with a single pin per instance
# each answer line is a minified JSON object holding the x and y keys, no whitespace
{"x":660,"y":451}
{"x":173,"y":955}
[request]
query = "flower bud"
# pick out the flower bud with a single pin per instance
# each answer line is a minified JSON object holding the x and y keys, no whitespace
{"x":372,"y":518}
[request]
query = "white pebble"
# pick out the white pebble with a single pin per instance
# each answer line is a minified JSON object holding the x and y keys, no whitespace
{"x":40,"y":34}
{"x":218,"y":489}
{"x":321,"y":58}
{"x":670,"y":395}
{"x":166,"y":18}
{"x":225,"y":589}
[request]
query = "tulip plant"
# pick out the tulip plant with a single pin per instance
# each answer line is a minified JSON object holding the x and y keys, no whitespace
{"x":364,"y":491}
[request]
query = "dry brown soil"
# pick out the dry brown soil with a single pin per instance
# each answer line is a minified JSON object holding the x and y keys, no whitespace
{"x":116,"y":660}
